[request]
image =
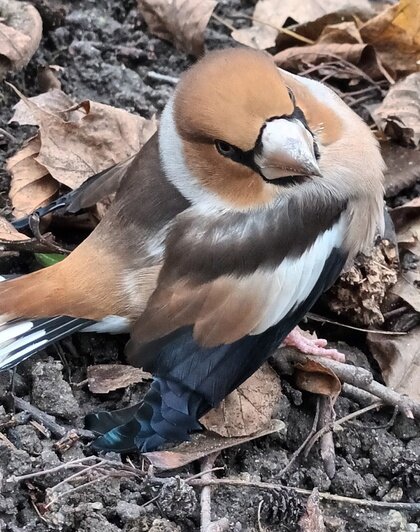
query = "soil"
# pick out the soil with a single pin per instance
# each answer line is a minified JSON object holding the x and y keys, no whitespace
{"x":107,"y":53}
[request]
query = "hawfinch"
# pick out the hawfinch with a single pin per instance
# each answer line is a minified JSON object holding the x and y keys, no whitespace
{"x":226,"y":227}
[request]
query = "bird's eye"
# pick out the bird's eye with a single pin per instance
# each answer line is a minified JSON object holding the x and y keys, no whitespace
{"x":292,"y":96}
{"x":224,"y":148}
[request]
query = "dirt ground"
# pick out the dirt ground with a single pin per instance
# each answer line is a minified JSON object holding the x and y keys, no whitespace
{"x":107,"y":55}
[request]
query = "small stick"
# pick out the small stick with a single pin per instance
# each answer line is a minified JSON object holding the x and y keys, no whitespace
{"x":162,"y":77}
{"x":7,"y":135}
{"x":298,"y":451}
{"x":40,"y":416}
{"x":358,"y":377}
{"x":321,"y":319}
{"x":405,"y":506}
{"x":205,"y":498}
{"x":327,"y":449}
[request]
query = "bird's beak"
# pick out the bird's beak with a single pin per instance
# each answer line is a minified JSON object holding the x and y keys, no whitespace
{"x":286,"y":148}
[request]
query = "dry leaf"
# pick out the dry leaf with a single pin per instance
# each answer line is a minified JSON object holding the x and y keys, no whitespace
{"x":31,"y":185}
{"x":20,"y":34}
{"x":401,"y":216}
{"x":408,"y":288}
{"x":398,"y":116}
{"x":270,"y":15}
{"x":312,"y":520}
{"x":54,"y":101}
{"x":75,"y":143}
{"x":343,"y":32}
{"x":361,"y":55}
{"x":313,"y":377}
{"x":202,"y":445}
{"x":399,"y":360}
{"x":395,"y":33}
{"x":8,"y":233}
{"x":360,"y":292}
{"x":105,"y":378}
{"x":402,"y":167}
{"x":182,"y":22}
{"x":247,"y":409}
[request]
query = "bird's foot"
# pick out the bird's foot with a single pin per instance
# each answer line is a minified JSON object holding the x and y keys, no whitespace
{"x":311,"y":346}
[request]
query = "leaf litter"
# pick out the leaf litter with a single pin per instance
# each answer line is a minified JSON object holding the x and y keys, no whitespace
{"x":360,"y":54}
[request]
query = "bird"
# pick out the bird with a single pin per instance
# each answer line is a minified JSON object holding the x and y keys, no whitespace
{"x":258,"y":189}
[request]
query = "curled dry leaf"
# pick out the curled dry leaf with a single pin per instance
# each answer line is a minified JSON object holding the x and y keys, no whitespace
{"x":312,"y":520}
{"x":181,"y":22}
{"x":399,"y":360}
{"x":105,"y":378}
{"x":202,"y":445}
{"x":361,"y":55}
{"x":73,"y":143}
{"x":248,"y":408}
{"x":313,"y":377}
{"x":405,"y":214}
{"x":360,"y":292}
{"x":398,"y":115}
{"x":54,"y":101}
{"x":402,"y":167}
{"x":20,"y":34}
{"x":395,"y":33}
{"x":270,"y":15}
{"x":31,"y":185}
{"x":8,"y":233}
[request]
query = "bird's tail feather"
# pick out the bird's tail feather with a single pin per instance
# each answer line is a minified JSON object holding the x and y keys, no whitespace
{"x":168,"y":414}
{"x":20,"y":339}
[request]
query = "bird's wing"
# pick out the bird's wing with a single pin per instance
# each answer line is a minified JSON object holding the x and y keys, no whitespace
{"x":203,"y":333}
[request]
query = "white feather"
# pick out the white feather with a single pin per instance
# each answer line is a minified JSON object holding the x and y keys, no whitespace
{"x":292,"y":282}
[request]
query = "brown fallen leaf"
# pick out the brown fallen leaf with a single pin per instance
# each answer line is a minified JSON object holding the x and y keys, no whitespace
{"x":8,"y":233}
{"x":408,"y":288}
{"x":402,"y":167}
{"x":395,"y":33}
{"x":31,"y":185}
{"x":181,"y":22}
{"x":202,"y":445}
{"x":313,"y":29}
{"x":360,"y":292}
{"x":248,"y":408}
{"x":270,"y":15}
{"x":105,"y":378}
{"x":313,"y":377}
{"x":312,"y":520}
{"x":405,"y":214}
{"x":361,"y":55}
{"x":20,"y":34}
{"x":74,"y":143}
{"x":398,"y":115}
{"x":53,"y":101}
{"x":399,"y":360}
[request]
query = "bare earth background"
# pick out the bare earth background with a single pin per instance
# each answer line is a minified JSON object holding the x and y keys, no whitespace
{"x":107,"y":54}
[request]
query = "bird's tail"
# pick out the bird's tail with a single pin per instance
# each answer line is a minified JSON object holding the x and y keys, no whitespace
{"x":20,"y":298}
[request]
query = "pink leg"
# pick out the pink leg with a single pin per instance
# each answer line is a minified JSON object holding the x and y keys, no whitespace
{"x":311,"y":346}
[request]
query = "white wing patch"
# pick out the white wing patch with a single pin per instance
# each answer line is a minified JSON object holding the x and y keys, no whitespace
{"x":292,"y":282}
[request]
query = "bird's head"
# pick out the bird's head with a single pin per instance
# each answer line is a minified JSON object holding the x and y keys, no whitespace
{"x":236,"y":131}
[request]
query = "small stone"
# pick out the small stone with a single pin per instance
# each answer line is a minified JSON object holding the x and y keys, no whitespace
{"x":395,"y":494}
{"x":128,"y":511}
{"x":163,"y":525}
{"x":50,"y":392}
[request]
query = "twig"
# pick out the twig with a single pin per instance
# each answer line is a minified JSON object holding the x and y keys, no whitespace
{"x":260,"y":528}
{"x":40,"y":416}
{"x":77,"y":488}
{"x":7,"y":135}
{"x":359,"y":377}
{"x":206,"y":524}
{"x":66,"y":465}
{"x":405,"y":506}
{"x":286,"y":31}
{"x":76,"y":475}
{"x":162,"y":77}
{"x":322,"y":319}
{"x":223,"y":22}
{"x":356,"y":394}
{"x":47,"y":240}
{"x":327,"y":449}
{"x":333,"y":425}
{"x":298,"y":451}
